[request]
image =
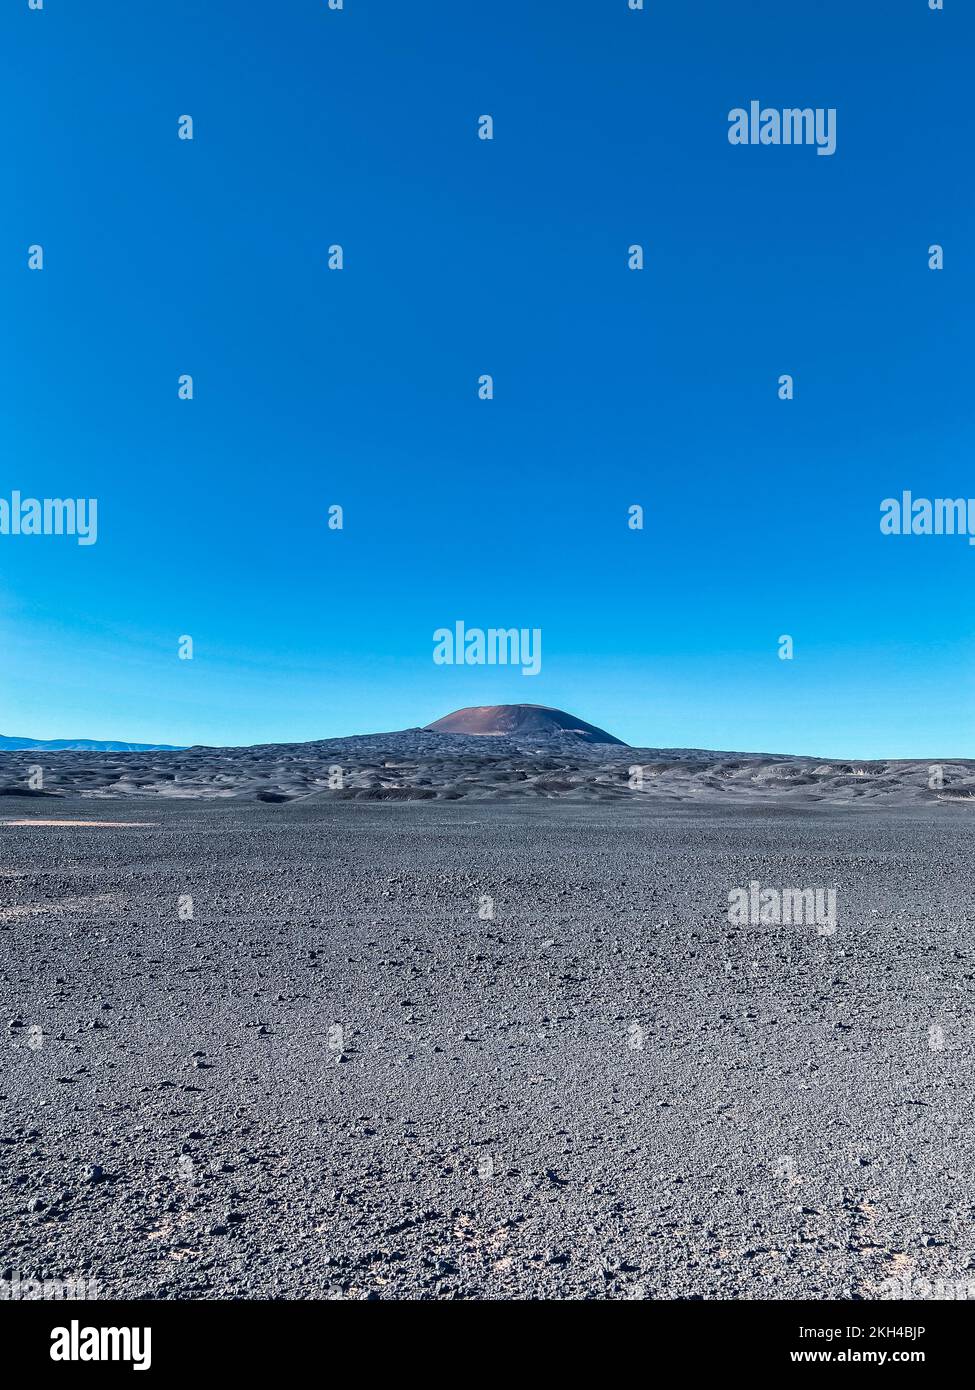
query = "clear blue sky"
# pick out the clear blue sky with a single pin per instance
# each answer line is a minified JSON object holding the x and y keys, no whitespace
{"x":509,"y":257}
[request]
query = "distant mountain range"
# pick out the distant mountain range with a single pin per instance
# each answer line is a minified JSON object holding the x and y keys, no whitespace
{"x":83,"y":745}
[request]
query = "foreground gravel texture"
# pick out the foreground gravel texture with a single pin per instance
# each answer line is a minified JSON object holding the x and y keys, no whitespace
{"x":338,"y":1080}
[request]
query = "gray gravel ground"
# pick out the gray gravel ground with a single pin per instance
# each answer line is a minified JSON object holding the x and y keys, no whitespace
{"x":338,"y":1080}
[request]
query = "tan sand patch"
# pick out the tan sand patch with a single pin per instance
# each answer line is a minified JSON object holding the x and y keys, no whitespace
{"x":8,"y":914}
{"x":100,"y":824}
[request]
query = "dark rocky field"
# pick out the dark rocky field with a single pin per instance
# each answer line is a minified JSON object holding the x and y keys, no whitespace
{"x":339,"y":1079}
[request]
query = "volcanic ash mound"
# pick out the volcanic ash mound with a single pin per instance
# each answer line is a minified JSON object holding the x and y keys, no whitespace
{"x":532,"y":720}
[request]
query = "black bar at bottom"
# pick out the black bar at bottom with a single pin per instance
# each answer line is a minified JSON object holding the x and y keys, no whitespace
{"x":192,"y":1338}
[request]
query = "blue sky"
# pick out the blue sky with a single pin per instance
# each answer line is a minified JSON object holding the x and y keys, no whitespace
{"x":462,"y":257}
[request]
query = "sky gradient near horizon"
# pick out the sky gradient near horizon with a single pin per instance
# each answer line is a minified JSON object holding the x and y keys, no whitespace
{"x":613,"y":387}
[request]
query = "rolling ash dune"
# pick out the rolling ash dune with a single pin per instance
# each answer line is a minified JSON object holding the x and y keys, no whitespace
{"x":427,"y":765}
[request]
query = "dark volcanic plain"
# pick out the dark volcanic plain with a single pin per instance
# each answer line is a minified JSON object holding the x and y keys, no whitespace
{"x":337,"y":1079}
